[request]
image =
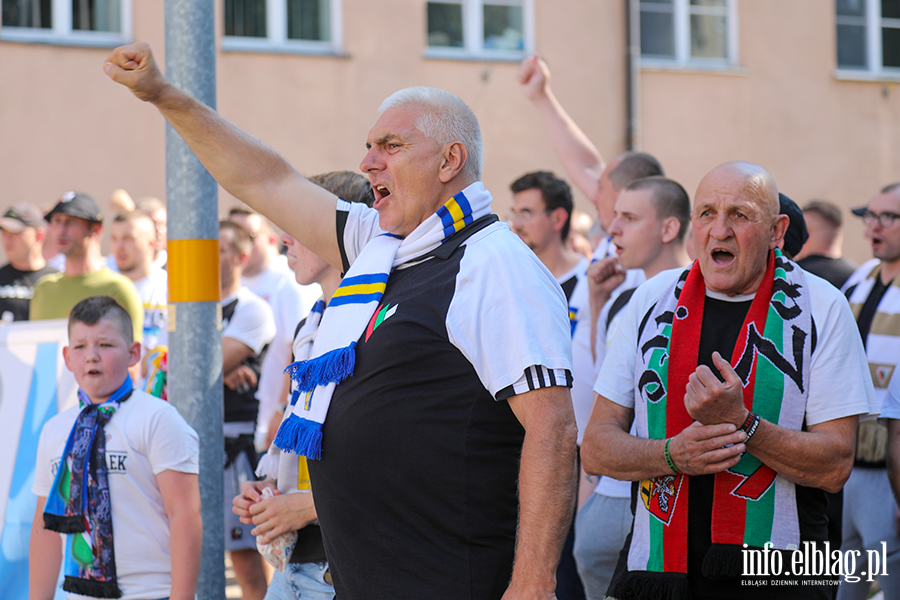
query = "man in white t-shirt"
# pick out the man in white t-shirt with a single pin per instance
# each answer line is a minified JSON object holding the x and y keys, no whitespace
{"x":269,"y":278}
{"x":797,"y":359}
{"x":455,"y":432}
{"x":648,"y":232}
{"x":247,"y":329}
{"x":133,"y":244}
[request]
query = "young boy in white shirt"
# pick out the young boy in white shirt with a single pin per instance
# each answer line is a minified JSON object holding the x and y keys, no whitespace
{"x":117,"y":474}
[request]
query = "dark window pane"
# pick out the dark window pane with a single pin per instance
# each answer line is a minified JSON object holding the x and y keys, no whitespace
{"x":851,"y":8}
{"x":657,"y":34}
{"x":890,"y":47}
{"x":650,"y":3}
{"x":245,"y":18}
{"x":709,"y":37}
{"x":717,"y":3}
{"x":503,"y":28}
{"x":308,"y":20}
{"x":851,"y":46}
{"x":27,"y":13}
{"x":890,"y":9}
{"x":445,"y":25}
{"x":95,"y":15}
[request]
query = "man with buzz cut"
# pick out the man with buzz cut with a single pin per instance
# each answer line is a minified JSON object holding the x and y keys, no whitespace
{"x":730,"y":394}
{"x":651,"y":221}
{"x":431,"y":410}
{"x":133,"y":244}
{"x":599,"y":180}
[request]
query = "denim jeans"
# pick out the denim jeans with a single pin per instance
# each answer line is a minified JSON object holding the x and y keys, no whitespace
{"x":301,"y":581}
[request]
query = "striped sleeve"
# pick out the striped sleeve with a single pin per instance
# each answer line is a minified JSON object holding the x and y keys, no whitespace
{"x":536,"y":377}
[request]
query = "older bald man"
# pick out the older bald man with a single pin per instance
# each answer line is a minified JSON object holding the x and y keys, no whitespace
{"x":739,"y":430}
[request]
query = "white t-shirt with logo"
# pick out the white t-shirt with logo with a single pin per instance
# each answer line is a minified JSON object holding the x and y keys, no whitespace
{"x":145,"y":437}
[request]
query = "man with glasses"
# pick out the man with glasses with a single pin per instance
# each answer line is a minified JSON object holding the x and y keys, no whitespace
{"x":874,"y":294}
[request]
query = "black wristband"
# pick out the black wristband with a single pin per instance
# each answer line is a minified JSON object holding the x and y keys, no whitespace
{"x":751,"y":424}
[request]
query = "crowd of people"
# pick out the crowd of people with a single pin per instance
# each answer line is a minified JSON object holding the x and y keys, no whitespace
{"x":478,"y":409}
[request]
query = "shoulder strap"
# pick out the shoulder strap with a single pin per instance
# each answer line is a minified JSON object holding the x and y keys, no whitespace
{"x":618,"y":304}
{"x":228,"y":310}
{"x":568,"y":286}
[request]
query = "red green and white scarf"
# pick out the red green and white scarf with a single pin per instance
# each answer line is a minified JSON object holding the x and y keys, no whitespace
{"x":751,"y":504}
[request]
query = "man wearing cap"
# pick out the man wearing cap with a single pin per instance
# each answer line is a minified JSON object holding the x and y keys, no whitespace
{"x":23,"y":238}
{"x":874,"y":294}
{"x":77,"y":223}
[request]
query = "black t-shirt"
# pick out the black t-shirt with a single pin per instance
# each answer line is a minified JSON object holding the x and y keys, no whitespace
{"x":835,"y":271}
{"x":722,"y":322}
{"x":17,"y":288}
{"x":414,"y":400}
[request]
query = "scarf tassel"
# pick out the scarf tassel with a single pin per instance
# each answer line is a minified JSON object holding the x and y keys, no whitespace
{"x":646,"y":584}
{"x":300,"y":436}
{"x":64,"y":524}
{"x":332,"y":367}
{"x":93,"y":588}
{"x":722,"y":561}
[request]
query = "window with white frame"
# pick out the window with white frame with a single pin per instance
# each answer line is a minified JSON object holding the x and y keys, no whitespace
{"x":868,"y":35}
{"x":291,"y":25}
{"x":482,"y":28}
{"x":69,"y":21}
{"x":689,"y":31}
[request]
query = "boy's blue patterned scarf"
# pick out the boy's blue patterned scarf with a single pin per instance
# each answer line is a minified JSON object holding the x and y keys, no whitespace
{"x":350,"y":310}
{"x":79,"y":503}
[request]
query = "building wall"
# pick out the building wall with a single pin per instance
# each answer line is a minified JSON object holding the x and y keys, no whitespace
{"x":64,"y":125}
{"x":818,"y":136}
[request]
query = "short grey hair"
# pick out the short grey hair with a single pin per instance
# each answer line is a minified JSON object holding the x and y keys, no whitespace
{"x":446,"y":119}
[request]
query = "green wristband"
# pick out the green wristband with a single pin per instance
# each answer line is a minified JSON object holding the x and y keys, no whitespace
{"x":669,"y":460}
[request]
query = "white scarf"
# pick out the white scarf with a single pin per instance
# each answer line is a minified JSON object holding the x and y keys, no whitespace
{"x":353,"y":304}
{"x":285,"y":468}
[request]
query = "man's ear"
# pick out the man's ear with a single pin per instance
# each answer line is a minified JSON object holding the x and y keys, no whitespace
{"x":452,"y":161}
{"x":66,"y":357}
{"x":670,"y":229}
{"x":40,"y":234}
{"x":558,"y":217}
{"x":779,"y":229}
{"x":96,"y":229}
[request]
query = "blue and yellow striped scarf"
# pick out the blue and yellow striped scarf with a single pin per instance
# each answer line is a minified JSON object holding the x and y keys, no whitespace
{"x":352,"y":306}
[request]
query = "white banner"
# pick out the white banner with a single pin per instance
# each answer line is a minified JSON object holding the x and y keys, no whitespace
{"x":34,"y":386}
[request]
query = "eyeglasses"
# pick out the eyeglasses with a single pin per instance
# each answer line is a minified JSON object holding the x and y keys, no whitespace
{"x":523,"y":216}
{"x":885,"y":219}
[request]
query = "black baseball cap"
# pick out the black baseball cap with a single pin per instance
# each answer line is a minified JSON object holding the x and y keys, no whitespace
{"x":796,"y":234}
{"x":20,"y":216}
{"x":77,"y":204}
{"x":860,"y":211}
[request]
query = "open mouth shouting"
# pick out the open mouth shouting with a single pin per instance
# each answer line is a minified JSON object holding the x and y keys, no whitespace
{"x":381,"y":192}
{"x":722,"y":257}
